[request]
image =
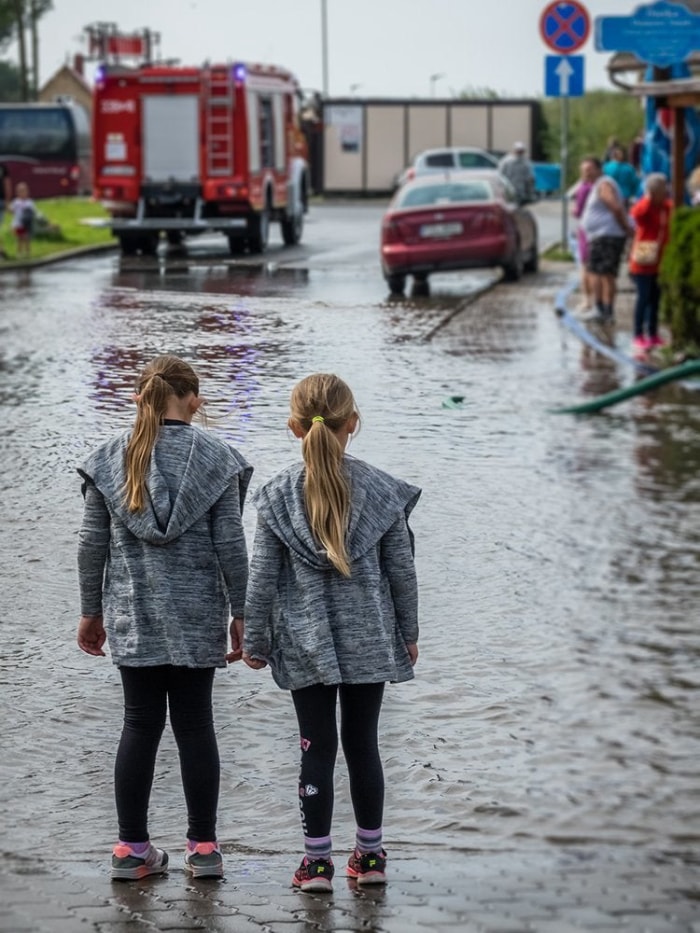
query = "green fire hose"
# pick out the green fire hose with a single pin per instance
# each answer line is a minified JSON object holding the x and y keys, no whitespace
{"x":690,"y":368}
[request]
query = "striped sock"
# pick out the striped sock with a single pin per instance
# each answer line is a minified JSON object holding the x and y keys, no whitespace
{"x":368,"y":840}
{"x":317,"y":847}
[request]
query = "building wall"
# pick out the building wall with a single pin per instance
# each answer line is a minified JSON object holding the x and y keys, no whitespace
{"x":368,"y":143}
{"x":66,"y":83}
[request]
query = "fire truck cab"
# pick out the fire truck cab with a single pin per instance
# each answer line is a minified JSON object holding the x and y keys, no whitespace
{"x":184,"y":150}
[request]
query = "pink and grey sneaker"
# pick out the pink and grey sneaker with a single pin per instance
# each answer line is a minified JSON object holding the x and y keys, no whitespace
{"x":657,"y":341}
{"x":204,"y":860}
{"x":367,"y":867}
{"x":128,"y":866}
{"x":316,"y":875}
{"x":641,"y":344}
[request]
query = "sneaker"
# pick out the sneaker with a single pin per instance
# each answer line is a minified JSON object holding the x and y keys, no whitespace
{"x":642,"y":344}
{"x":657,"y":341}
{"x":314,"y":876}
{"x":367,"y":867}
{"x":204,"y":860}
{"x":593,"y":315}
{"x":127,"y":866}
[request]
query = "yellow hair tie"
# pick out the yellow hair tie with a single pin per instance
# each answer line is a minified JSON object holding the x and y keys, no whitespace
{"x":318,"y":418}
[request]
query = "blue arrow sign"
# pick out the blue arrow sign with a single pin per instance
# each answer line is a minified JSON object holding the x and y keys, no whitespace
{"x":563,"y":75}
{"x":661,"y":34}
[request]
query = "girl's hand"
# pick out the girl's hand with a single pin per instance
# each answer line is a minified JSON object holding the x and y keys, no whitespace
{"x":255,"y":663}
{"x":91,"y":635}
{"x":412,"y":653}
{"x":236,"y":633}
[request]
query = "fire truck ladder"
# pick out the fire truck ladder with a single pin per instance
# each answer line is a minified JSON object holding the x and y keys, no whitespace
{"x":217,"y":88}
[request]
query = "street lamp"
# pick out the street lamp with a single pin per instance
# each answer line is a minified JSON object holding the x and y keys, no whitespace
{"x":324,"y":46}
{"x":433,"y":79}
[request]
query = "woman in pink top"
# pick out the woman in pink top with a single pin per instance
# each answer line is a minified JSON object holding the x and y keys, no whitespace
{"x":583,"y":189}
{"x":651,"y":215}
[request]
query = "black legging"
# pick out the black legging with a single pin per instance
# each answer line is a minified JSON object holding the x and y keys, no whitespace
{"x":147,"y":693}
{"x":360,"y":705}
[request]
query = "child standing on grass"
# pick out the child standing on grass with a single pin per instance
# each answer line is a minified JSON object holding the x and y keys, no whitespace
{"x":332,"y":608}
{"x":23,"y":215}
{"x":163,"y":566}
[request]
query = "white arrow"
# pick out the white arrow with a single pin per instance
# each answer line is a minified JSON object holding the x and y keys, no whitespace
{"x":564,"y":72}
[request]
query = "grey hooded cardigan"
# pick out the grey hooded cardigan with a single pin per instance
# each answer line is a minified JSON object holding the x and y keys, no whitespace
{"x":311,"y":624}
{"x":167,"y":578}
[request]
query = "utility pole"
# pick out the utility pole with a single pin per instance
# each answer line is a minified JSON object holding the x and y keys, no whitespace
{"x":324,"y":45}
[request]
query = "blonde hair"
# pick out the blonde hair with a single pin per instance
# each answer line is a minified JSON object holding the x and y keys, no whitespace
{"x":162,"y":378}
{"x":320,"y":405}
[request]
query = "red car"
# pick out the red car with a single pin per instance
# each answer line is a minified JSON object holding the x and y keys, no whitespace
{"x":458,"y":220}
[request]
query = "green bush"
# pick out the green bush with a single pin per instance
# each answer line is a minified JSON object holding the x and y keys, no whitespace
{"x":679,"y":277}
{"x":593,"y":119}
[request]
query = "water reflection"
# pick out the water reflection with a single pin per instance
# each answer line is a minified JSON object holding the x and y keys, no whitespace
{"x":261,"y":278}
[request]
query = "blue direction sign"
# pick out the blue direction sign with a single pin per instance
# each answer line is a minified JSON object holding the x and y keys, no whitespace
{"x":564,"y":26}
{"x":660,"y":34}
{"x":563,"y":75}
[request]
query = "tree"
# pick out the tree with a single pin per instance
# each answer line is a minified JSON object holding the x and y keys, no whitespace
{"x":593,"y":119}
{"x":7,"y":22}
{"x":9,"y":82}
{"x":19,"y":21}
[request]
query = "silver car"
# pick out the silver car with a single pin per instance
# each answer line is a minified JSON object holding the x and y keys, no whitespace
{"x":449,"y":157}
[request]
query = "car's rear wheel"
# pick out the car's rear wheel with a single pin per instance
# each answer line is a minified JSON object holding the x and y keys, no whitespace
{"x":396,"y":283}
{"x":533,"y":263}
{"x":420,"y":284}
{"x":513,"y":269}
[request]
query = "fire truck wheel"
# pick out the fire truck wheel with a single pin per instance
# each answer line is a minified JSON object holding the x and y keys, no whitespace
{"x":292,"y":229}
{"x":128,"y":245}
{"x":261,"y":231}
{"x":236,"y":244}
{"x":148,"y":244}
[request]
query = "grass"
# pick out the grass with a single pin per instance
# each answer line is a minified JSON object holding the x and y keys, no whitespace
{"x":557,"y":254}
{"x":66,"y":228}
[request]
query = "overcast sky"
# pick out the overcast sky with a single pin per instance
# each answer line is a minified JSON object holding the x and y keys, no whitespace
{"x":375,"y":48}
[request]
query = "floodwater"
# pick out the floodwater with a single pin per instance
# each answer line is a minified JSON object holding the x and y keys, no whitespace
{"x":556,"y":697}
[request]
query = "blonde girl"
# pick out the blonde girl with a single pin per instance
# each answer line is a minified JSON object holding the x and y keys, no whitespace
{"x":332,"y":608}
{"x":162,"y":568}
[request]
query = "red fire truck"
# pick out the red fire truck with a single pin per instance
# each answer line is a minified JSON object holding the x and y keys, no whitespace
{"x":184,"y":150}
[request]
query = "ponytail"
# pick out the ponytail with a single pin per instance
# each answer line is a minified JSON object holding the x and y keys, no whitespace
{"x":321,"y":405}
{"x":164,"y":377}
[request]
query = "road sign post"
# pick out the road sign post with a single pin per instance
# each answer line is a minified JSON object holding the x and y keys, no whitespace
{"x":564,"y":27}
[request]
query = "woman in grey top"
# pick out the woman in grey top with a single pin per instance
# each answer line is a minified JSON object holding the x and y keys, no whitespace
{"x":163,"y":566}
{"x":332,"y":608}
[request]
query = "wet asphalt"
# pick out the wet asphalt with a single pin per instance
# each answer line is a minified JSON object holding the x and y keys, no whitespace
{"x":595,"y":865}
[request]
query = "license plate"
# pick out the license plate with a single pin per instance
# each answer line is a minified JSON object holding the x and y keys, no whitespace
{"x":440,"y":230}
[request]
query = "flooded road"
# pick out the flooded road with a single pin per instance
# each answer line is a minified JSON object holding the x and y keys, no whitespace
{"x":556,"y":699}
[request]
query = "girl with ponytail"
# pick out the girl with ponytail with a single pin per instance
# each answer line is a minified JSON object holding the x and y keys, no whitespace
{"x":332,"y":608}
{"x":163,"y":568}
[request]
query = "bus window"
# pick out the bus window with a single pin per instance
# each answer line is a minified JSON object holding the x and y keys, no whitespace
{"x":47,"y":146}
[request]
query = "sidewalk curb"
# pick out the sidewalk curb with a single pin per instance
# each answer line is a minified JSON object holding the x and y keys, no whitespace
{"x":15,"y":266}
